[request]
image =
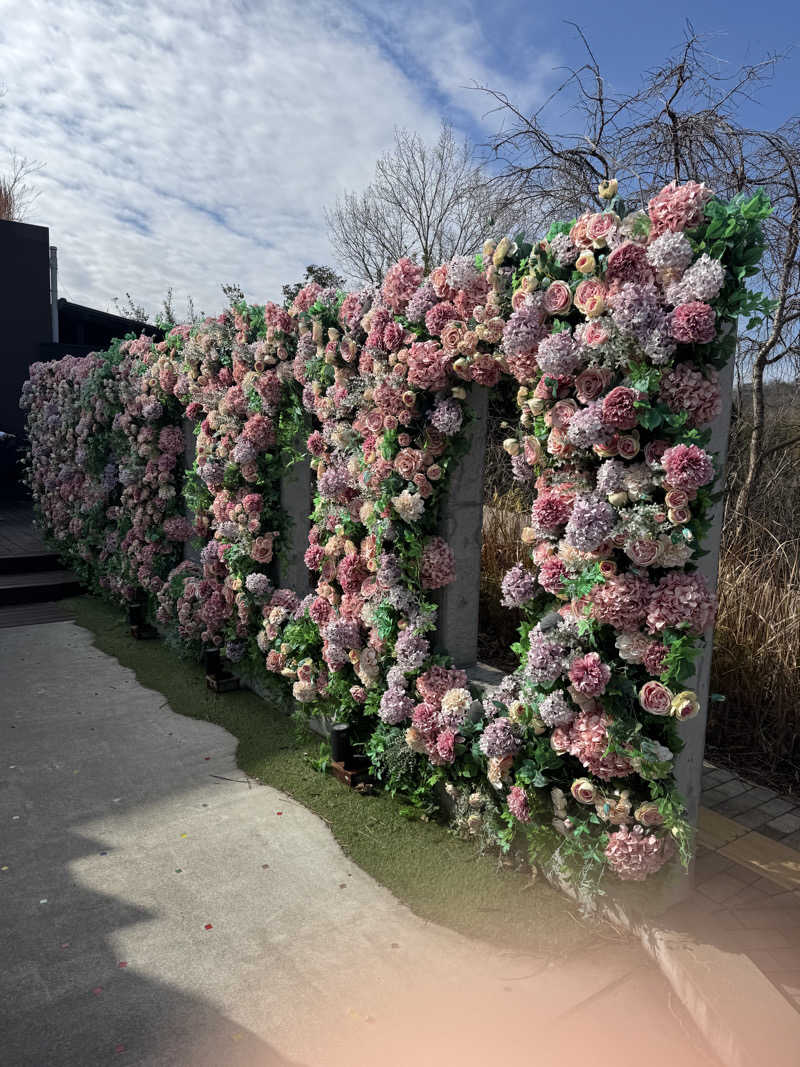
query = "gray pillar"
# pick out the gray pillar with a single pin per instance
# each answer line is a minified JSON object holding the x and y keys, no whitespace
{"x":189,"y":447}
{"x":461,"y":526}
{"x":689,"y":764}
{"x":291,"y":570}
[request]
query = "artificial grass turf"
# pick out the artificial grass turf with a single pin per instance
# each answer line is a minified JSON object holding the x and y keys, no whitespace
{"x":440,"y":877}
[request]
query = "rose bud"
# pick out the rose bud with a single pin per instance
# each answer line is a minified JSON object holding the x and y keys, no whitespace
{"x":607,"y":189}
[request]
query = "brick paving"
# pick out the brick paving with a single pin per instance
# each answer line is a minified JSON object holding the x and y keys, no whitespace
{"x":754,"y":806}
{"x":747,"y":873}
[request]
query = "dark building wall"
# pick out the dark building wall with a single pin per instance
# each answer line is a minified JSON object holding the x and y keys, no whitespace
{"x":24,"y":311}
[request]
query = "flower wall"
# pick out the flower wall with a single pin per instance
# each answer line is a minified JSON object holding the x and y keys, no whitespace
{"x":614,"y":327}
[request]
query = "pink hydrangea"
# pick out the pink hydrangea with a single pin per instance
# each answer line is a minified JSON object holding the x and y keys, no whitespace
{"x":518,"y":804}
{"x":589,"y":674}
{"x":681,"y":598}
{"x":693,"y":323}
{"x":685,"y":388}
{"x":687,"y":467}
{"x":434,"y":683}
{"x":633,"y":854}
{"x":550,"y":512}
{"x":438,"y":565}
{"x":678,"y":207}
{"x":401,"y":282}
{"x":622,"y":601}
{"x":439,"y":316}
{"x":552,"y":574}
{"x":586,"y":738}
{"x":628,"y":263}
{"x":428,"y":365}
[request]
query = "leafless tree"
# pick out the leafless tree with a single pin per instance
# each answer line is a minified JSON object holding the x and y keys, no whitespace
{"x":16,"y":191}
{"x":426,"y":201}
{"x":682,"y":122}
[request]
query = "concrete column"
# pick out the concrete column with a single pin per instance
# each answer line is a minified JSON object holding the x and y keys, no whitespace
{"x":189,"y":446}
{"x":291,"y":571}
{"x":689,"y":764}
{"x":461,"y":526}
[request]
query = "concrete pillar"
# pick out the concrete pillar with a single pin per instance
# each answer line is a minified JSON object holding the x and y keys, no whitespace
{"x":189,"y":446}
{"x":291,"y":570}
{"x":689,"y":764}
{"x":461,"y":526}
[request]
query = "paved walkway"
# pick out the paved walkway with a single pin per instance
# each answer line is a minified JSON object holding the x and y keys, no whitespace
{"x":160,"y":909}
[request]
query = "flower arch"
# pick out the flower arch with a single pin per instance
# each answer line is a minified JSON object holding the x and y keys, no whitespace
{"x":614,"y":327}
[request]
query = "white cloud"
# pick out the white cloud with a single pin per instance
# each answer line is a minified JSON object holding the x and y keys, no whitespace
{"x":197,"y":145}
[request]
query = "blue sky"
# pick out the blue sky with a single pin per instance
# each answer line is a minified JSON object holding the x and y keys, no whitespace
{"x":197,"y":144}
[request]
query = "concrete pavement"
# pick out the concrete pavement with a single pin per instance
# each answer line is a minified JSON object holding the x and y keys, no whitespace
{"x":160,"y":909}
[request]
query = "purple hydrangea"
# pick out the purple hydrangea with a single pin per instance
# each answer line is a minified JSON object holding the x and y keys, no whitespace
{"x":610,"y":477}
{"x":447,"y":417}
{"x":518,"y":586}
{"x":556,"y":710}
{"x":396,"y":678}
{"x":421,"y":302}
{"x":590,"y":523}
{"x":546,"y":660}
{"x":390,"y":573}
{"x":334,"y":483}
{"x":563,"y":250}
{"x":586,"y":427}
{"x":258,"y":585}
{"x":244,"y":451}
{"x":500,"y":738}
{"x":395,"y":706}
{"x":522,"y":470}
{"x":558,"y":354}
{"x":411,"y":650}
{"x":523,"y":331}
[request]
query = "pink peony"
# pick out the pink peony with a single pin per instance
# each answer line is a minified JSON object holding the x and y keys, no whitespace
{"x":589,"y":674}
{"x":693,"y":323}
{"x":687,"y":467}
{"x":619,"y":408}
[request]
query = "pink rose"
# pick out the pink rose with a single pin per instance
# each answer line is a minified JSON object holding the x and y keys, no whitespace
{"x":648,"y":815}
{"x":655,"y":698}
{"x":590,"y":297}
{"x":599,"y":226}
{"x":408,"y":462}
{"x":578,"y":234}
{"x":627,"y":445}
{"x":593,"y":335}
{"x":589,"y":384}
{"x":557,"y":298}
{"x":560,"y":414}
{"x":643,"y":553}
{"x":653,"y":451}
{"x":676,"y":498}
{"x":452,"y":335}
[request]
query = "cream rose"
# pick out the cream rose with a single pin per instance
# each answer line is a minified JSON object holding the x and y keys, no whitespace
{"x":685,"y":705}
